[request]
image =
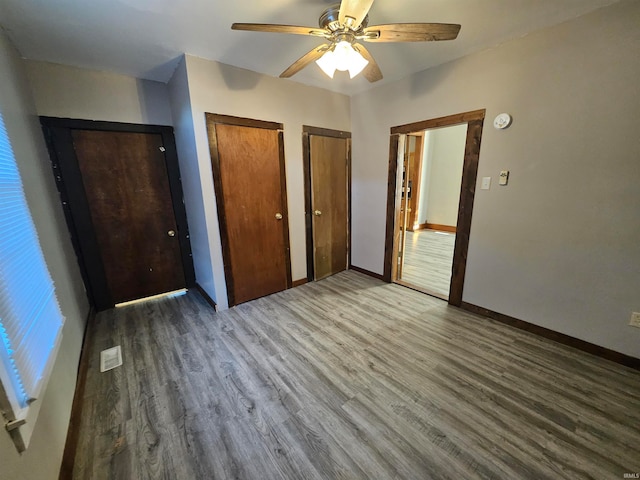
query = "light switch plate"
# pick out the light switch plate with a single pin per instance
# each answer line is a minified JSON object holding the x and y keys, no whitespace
{"x":486,"y":183}
{"x":504,"y":177}
{"x":635,"y":319}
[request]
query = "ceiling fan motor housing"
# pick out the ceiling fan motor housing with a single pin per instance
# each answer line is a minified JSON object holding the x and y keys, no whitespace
{"x":329,"y":19}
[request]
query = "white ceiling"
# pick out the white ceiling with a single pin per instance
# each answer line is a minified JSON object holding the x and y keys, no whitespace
{"x":144,"y":38}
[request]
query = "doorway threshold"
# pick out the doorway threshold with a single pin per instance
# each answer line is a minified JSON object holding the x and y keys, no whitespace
{"x":174,"y":293}
{"x":426,"y":291}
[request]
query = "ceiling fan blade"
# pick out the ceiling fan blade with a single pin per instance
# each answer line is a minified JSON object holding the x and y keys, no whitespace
{"x":352,"y":12}
{"x":410,"y":32}
{"x":305,"y":60}
{"x":272,"y":28}
{"x":372,"y":71}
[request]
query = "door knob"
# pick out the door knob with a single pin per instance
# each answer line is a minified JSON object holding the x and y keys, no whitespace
{"x":171,"y":233}
{"x":317,"y":213}
{"x":278,"y":216}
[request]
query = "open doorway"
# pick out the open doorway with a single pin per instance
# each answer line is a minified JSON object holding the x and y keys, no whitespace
{"x":432,"y":174}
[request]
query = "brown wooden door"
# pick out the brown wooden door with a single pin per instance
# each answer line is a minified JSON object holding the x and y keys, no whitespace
{"x":248,"y":171}
{"x":127,"y":189}
{"x":329,"y":204}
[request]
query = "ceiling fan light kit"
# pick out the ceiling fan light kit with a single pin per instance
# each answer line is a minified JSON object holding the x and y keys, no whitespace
{"x":345,"y":23}
{"x":344,"y":58}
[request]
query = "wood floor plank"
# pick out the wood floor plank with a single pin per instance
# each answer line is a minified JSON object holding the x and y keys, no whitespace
{"x":428,"y":258}
{"x":348,"y":378}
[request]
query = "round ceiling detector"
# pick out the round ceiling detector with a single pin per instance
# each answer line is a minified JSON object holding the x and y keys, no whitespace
{"x":502,"y":121}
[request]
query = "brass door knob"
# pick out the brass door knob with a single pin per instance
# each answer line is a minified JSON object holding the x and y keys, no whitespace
{"x":278,"y":216}
{"x":317,"y":213}
{"x":171,"y":233}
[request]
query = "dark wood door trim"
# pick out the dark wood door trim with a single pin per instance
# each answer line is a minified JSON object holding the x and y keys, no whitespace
{"x":57,"y":133}
{"x":465,"y":209}
{"x":348,"y":201}
{"x":242,"y":122}
{"x":475,"y":121}
{"x":222,"y":216}
{"x":439,"y":122}
{"x":391,"y":208}
{"x":325,"y":132}
{"x":307,"y":131}
{"x":75,"y":205}
{"x":285,"y":208}
{"x":212,"y":120}
{"x":100,"y":125}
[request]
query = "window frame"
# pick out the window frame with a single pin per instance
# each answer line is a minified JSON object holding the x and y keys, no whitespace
{"x":31,"y":320}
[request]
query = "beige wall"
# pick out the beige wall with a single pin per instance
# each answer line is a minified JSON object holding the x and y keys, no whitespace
{"x":443,"y":150}
{"x":192,"y":182}
{"x":222,"y":89}
{"x":557,"y":247}
{"x":42,"y":459}
{"x":69,"y":92}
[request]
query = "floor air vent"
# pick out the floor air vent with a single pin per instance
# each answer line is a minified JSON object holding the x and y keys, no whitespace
{"x":110,"y":358}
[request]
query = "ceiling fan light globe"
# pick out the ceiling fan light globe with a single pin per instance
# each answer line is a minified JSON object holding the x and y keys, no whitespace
{"x":358,"y":63}
{"x":343,"y":55}
{"x":327,"y":63}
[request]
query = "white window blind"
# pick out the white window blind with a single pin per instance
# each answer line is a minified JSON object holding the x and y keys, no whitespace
{"x":30,"y":318}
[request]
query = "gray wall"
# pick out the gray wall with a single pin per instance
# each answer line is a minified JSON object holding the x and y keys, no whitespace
{"x":42,"y":459}
{"x":69,"y":92}
{"x":557,"y":247}
{"x":191,"y":178}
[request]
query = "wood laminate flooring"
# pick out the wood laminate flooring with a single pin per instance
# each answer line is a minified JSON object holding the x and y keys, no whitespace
{"x":348,"y":378}
{"x":428,"y":257}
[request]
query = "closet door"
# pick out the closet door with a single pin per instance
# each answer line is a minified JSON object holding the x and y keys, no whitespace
{"x":249,"y":178}
{"x":329,"y":204}
{"x":327,"y":191}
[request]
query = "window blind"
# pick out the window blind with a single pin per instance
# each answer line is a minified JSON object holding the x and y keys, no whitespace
{"x":30,"y":317}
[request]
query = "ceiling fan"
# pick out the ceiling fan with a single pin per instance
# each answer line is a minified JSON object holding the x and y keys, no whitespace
{"x":343,"y":25}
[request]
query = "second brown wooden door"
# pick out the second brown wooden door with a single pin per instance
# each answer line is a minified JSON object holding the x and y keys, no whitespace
{"x":329,"y":202}
{"x":248,"y":168}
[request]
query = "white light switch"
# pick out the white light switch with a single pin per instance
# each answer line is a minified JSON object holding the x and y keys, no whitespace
{"x":504,"y":177}
{"x":486,"y":183}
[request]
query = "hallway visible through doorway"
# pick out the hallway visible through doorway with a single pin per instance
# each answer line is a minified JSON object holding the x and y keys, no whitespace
{"x":428,"y":258}
{"x":433,"y":168}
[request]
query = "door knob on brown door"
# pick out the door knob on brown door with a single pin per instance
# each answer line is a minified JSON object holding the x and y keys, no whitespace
{"x":317,"y":213}
{"x":171,"y":233}
{"x":278,"y":216}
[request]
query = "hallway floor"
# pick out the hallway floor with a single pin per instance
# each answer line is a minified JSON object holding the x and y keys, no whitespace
{"x":428,"y":258}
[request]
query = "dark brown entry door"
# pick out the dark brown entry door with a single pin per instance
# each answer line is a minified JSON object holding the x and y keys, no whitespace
{"x":127,"y":189}
{"x":329,"y":203}
{"x":248,"y":170}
